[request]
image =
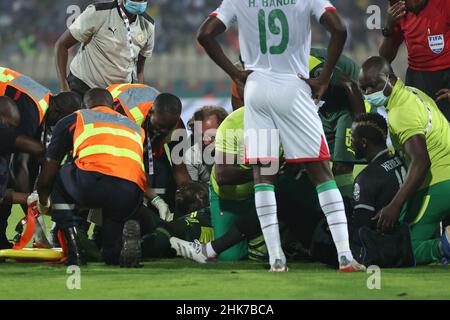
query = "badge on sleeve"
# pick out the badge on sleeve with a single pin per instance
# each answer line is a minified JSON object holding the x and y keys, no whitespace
{"x":436,"y":43}
{"x":356,"y":192}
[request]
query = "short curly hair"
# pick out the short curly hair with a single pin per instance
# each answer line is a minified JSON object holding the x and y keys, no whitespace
{"x":373,"y":126}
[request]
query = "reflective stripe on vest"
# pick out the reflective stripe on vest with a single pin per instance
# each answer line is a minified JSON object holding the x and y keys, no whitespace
{"x":96,"y":116}
{"x":137,"y":99}
{"x":90,"y":130}
{"x":37,"y":92}
{"x":4,"y":76}
{"x":116,"y":89}
{"x":119,"y":154}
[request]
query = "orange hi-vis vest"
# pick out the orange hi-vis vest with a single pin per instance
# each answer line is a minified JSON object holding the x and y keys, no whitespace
{"x":136,"y":99}
{"x":38,"y":93}
{"x":107,"y":142}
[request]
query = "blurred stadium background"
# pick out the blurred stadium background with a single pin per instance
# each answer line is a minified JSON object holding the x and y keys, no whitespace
{"x":29,"y":29}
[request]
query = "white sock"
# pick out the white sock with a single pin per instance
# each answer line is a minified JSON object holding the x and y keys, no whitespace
{"x":266,"y":208}
{"x":210,"y":253}
{"x":333,"y":207}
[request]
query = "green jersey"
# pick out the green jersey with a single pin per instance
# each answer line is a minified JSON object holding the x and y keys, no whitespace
{"x":230,"y":140}
{"x":411,"y":112}
{"x":335,"y":98}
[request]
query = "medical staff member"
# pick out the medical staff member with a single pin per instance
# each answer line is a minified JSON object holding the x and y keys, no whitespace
{"x":116,"y":40}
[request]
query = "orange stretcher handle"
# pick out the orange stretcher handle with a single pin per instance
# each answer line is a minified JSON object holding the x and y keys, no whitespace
{"x":29,"y":231}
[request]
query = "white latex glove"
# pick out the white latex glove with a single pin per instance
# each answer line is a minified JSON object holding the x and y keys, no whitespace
{"x":163,"y":209}
{"x":33,"y":197}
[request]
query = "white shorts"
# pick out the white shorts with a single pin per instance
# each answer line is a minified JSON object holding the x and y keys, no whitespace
{"x":279,"y":108}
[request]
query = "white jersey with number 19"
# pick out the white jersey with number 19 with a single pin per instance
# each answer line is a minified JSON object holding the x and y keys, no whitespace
{"x":274,"y":35}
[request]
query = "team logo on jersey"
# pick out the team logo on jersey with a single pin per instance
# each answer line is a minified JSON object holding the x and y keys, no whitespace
{"x":140,"y":37}
{"x":436,"y":43}
{"x":356,"y":192}
{"x":113,"y":30}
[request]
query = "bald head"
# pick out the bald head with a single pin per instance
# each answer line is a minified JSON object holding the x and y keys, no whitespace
{"x":98,"y":97}
{"x":377,"y":65}
{"x":61,"y":105}
{"x":9,"y":113}
{"x":376,"y":73}
{"x":167,"y":102}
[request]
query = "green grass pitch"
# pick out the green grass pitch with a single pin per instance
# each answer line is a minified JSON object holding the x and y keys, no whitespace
{"x":182,"y":279}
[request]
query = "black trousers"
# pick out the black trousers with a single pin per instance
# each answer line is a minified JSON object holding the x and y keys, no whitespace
{"x":431,"y":82}
{"x":118,"y":198}
{"x":77,"y":85}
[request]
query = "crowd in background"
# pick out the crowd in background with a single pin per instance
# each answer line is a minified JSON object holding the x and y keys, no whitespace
{"x":178,"y":63}
{"x":176,"y":23}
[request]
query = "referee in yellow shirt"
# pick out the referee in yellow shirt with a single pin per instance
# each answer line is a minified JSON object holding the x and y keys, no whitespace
{"x":421,"y":134}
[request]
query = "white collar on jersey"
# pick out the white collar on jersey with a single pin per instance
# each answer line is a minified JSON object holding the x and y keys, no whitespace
{"x":379,"y":154}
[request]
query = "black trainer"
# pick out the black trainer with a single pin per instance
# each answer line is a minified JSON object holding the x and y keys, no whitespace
{"x":74,"y":255}
{"x":131,"y":253}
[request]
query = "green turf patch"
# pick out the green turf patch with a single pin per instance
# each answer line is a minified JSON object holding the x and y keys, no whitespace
{"x":182,"y":279}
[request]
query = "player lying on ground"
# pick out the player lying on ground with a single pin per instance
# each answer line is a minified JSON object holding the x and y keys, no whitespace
{"x":192,"y":204}
{"x":233,"y":212}
{"x":246,"y":227}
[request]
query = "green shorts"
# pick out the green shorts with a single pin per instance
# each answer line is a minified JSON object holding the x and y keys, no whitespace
{"x":224,"y":213}
{"x":424,"y":212}
{"x":338,"y":130}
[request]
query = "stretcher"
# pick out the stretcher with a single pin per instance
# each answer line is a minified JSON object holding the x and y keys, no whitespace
{"x":33,"y":254}
{"x":22,"y":254}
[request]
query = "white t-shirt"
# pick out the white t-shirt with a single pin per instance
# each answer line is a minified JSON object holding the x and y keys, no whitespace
{"x":274,"y":35}
{"x":104,"y":57}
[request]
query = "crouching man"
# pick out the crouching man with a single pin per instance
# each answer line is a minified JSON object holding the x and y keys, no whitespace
{"x":421,"y":134}
{"x":107,"y":173}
